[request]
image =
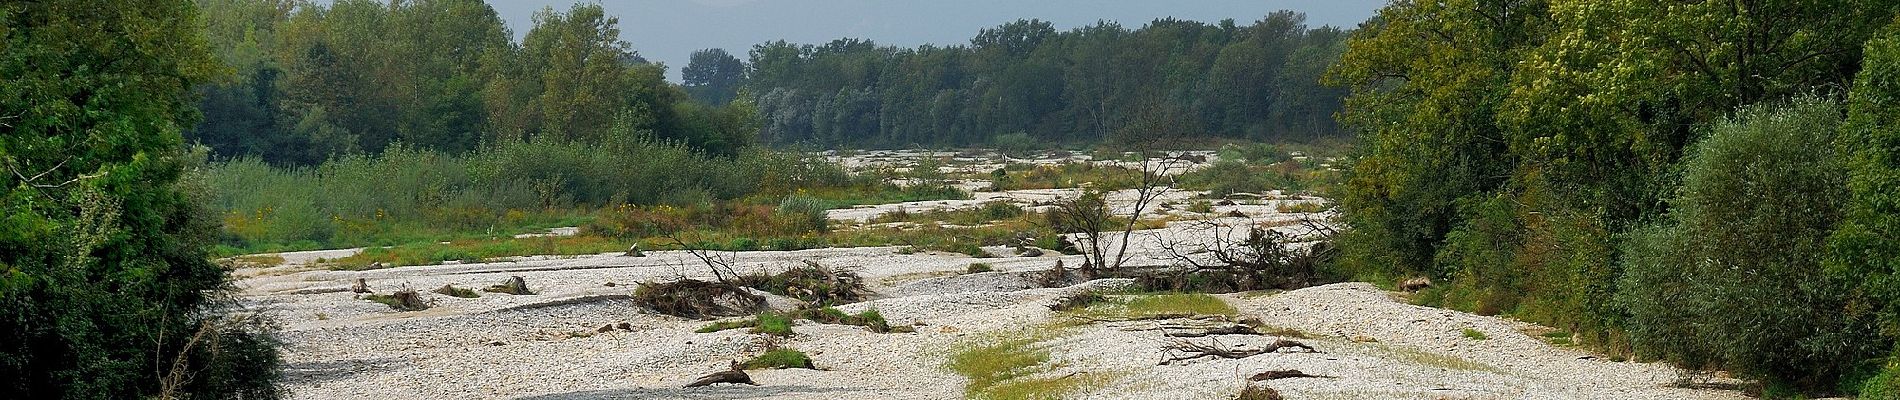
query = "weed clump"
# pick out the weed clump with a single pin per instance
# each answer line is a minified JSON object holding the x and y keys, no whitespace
{"x":979,"y":268}
{"x":770,"y":323}
{"x":1474,"y":334}
{"x":778,"y":359}
{"x":451,"y":290}
{"x":774,"y":324}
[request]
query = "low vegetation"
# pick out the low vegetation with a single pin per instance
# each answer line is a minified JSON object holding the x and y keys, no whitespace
{"x":1151,"y":306}
{"x":769,"y":322}
{"x":1017,"y":367}
{"x":779,"y":358}
{"x":1474,"y":334}
{"x":452,"y":291}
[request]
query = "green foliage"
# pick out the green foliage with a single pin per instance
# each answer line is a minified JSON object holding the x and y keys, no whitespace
{"x":726,"y":325}
{"x":1736,"y":269}
{"x":408,"y":195}
{"x":104,"y":276}
{"x":779,"y":358}
{"x":1153,"y":306}
{"x":1009,"y":368}
{"x":810,"y":212}
{"x":1531,"y":152}
{"x":773,"y":324}
{"x":322,"y":80}
{"x":1025,"y":85}
{"x":1474,"y":334}
{"x":1015,"y":143}
{"x":1863,"y":247}
{"x":977,"y":268}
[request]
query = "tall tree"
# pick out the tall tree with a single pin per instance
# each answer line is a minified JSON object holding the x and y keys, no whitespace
{"x":104,"y":276}
{"x":713,"y":76}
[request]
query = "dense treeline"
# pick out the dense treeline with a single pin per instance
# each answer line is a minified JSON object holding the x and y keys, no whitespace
{"x":106,"y":288}
{"x":1680,"y":180}
{"x":312,"y":81}
{"x":1027,"y":82}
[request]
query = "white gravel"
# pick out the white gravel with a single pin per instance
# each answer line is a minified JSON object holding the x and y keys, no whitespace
{"x":546,"y":346}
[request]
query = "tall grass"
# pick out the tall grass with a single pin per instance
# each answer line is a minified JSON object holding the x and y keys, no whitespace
{"x":406,"y":195}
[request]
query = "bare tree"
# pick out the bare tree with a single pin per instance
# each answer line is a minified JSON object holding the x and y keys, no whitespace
{"x":720,"y":263}
{"x":1093,"y":217}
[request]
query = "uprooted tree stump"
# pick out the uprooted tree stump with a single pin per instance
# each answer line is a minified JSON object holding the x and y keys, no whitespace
{"x":514,"y":285}
{"x":1183,"y":350}
{"x":735,"y":375}
{"x":692,"y":298}
{"x":812,"y":283}
{"x":405,"y":299}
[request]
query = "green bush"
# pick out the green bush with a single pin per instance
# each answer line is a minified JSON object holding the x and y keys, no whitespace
{"x":808,"y":211}
{"x":106,"y":287}
{"x":978,"y":268}
{"x":1733,"y":277}
{"x":1015,"y":143}
{"x":779,"y":358}
{"x":1864,"y":248}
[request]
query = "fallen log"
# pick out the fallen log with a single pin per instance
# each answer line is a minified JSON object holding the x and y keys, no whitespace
{"x":1184,"y":350}
{"x":1283,"y":374}
{"x":734,"y":376}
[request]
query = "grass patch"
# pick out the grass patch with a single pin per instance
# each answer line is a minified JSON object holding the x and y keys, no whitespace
{"x":1201,"y":206}
{"x":1474,"y":334}
{"x":1558,"y":338}
{"x":1425,"y":358}
{"x":1017,"y":368}
{"x":451,"y":290}
{"x":726,"y":325}
{"x":770,"y":323}
{"x":773,"y":324}
{"x":1153,"y":306}
{"x":975,"y":268}
{"x":1066,"y":175}
{"x":255,"y":261}
{"x":989,"y":212}
{"x":476,"y":250}
{"x":1302,"y":207}
{"x":779,"y":358}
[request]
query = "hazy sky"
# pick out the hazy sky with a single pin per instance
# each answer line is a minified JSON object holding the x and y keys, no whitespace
{"x":670,"y":30}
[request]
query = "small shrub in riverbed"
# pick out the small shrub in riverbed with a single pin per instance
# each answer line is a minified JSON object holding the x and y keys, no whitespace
{"x":779,"y":358}
{"x":451,"y":290}
{"x":979,"y":268}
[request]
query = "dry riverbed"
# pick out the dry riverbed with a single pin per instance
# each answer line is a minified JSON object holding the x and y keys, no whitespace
{"x":579,"y":337}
